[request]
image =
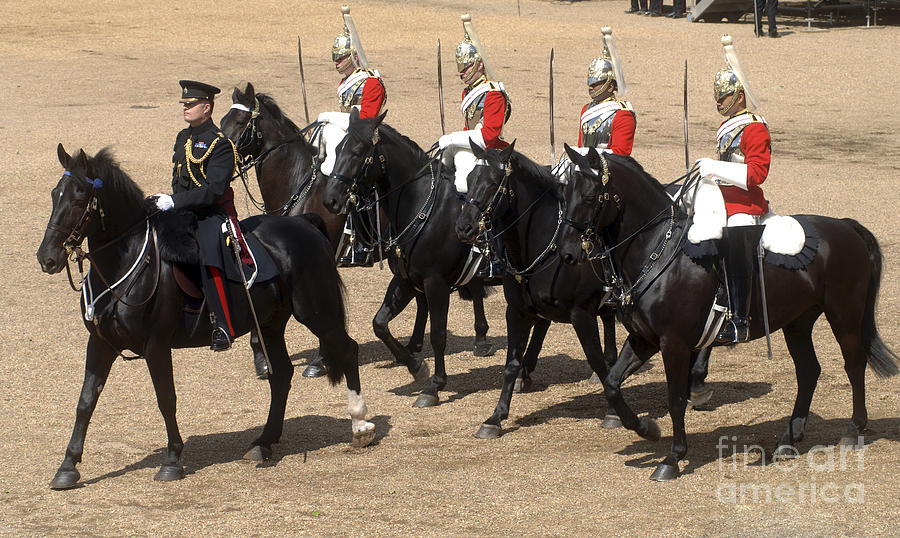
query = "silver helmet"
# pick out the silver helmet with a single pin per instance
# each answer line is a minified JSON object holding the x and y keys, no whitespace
{"x":731,"y":79}
{"x":469,"y":51}
{"x":607,"y":68}
{"x":347,"y":42}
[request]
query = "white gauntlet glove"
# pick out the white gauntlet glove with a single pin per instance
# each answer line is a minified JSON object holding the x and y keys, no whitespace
{"x":341,"y":119}
{"x":461,"y":139}
{"x":164,"y":202}
{"x":724,"y":171}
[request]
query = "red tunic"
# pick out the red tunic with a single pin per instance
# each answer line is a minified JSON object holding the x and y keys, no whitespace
{"x":372,"y":98}
{"x":494,"y":116}
{"x":756,"y":145}
{"x":621,"y":136}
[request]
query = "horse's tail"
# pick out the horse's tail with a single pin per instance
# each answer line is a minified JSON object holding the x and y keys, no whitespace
{"x":466,"y":294}
{"x":318,"y":222}
{"x":882,"y":359}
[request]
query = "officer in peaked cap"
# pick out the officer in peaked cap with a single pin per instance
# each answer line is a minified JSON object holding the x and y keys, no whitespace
{"x":203,"y":165}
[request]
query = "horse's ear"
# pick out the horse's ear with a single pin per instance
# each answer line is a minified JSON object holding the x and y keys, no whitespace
{"x":506,"y":153}
{"x":80,"y":161}
{"x":354,"y":115}
{"x":250,"y":92}
{"x":593,"y":158}
{"x":64,"y":158}
{"x":380,"y":118}
{"x":574,"y":156}
{"x":236,"y":95}
{"x":477,"y":150}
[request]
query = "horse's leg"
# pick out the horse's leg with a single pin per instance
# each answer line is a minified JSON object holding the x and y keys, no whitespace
{"x":363,"y":430}
{"x":399,"y":293}
{"x":635,"y":352}
{"x":99,"y":360}
{"x":701,"y":391}
{"x":279,"y":387}
{"x":855,"y":366}
{"x":418,"y":335}
{"x":608,"y":317}
{"x":159,"y":363}
{"x":517,"y":329}
{"x":483,"y":348}
{"x":438,"y":293}
{"x":798,"y":337}
{"x":529,"y":362}
{"x":677,"y":359}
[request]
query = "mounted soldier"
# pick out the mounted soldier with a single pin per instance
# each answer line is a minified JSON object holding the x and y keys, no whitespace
{"x":730,"y":203}
{"x":485,"y":107}
{"x":360,"y":88}
{"x":203,"y":162}
{"x":607,"y":121}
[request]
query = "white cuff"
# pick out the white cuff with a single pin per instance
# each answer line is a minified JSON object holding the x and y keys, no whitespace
{"x":341,"y":119}
{"x":461,"y":139}
{"x":724,"y":171}
{"x":164,"y":202}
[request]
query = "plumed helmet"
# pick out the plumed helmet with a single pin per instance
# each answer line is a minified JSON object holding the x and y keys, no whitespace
{"x":343,"y":46}
{"x":466,"y":55}
{"x":726,"y":83}
{"x":731,"y":79}
{"x":600,"y":71}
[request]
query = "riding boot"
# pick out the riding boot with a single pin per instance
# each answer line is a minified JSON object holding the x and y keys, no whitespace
{"x":217,"y":301}
{"x":740,"y":244}
{"x":491,"y":266}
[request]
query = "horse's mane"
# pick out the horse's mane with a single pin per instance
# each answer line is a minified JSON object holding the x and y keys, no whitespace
{"x":366,"y":128}
{"x":104,"y":166}
{"x":629,"y":162}
{"x":541,"y":174}
{"x":277,"y":114}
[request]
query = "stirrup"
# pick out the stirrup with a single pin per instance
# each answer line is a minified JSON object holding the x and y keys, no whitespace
{"x":220,"y":340}
{"x":735,"y":331}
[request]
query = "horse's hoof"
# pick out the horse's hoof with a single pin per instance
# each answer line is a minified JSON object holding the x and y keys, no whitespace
{"x":650,"y":428}
{"x":364,"y":437}
{"x":483,"y":349}
{"x":262,"y":375}
{"x":611,"y":421}
{"x":595,"y":379}
{"x":258,"y":453}
{"x":65,"y":479}
{"x":423,"y":374}
{"x":314,"y":370}
{"x":488,"y":431}
{"x":426,"y":400}
{"x":854,"y":442}
{"x":664,"y":472}
{"x":522,"y":385}
{"x":169,"y":473}
{"x":701,"y":397}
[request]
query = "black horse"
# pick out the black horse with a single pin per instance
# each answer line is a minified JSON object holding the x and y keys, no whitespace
{"x":670,"y":295}
{"x":421,"y":205}
{"x":132,"y":301}
{"x":291,"y":183}
{"x":524,"y":201}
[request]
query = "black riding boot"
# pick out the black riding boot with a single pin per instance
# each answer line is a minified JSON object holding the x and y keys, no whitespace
{"x":740,"y":244}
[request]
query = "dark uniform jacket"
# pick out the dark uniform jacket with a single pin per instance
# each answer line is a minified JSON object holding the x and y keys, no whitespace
{"x":203,"y":165}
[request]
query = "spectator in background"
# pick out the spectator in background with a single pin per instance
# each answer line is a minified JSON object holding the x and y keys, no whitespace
{"x":770,"y":7}
{"x":677,"y":10}
{"x":639,"y":9}
{"x":655,"y":8}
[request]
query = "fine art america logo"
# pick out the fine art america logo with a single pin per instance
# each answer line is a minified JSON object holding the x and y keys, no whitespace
{"x":818,"y":461}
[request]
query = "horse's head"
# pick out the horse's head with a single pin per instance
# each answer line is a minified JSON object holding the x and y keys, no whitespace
{"x":587,"y":210}
{"x":76,"y":211}
{"x":241,"y":122}
{"x":487,"y":185}
{"x":353,"y":157}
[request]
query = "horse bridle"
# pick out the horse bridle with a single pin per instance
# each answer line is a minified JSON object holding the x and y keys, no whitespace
{"x":503,"y":189}
{"x":250,"y":139}
{"x":589,"y":228}
{"x":76,"y":235}
{"x":353,"y":194}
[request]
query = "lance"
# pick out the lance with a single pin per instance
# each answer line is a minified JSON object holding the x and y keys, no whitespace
{"x":760,"y":255}
{"x":236,"y":248}
{"x":441,"y":89}
{"x":687,"y":157}
{"x":552,"y":134}
{"x":302,"y":80}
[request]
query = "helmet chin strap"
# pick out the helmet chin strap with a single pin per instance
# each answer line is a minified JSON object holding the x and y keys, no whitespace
{"x":604,"y":91}
{"x":734,"y":98}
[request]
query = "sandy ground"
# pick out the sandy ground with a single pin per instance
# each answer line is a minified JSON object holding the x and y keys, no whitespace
{"x":97,"y":73}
